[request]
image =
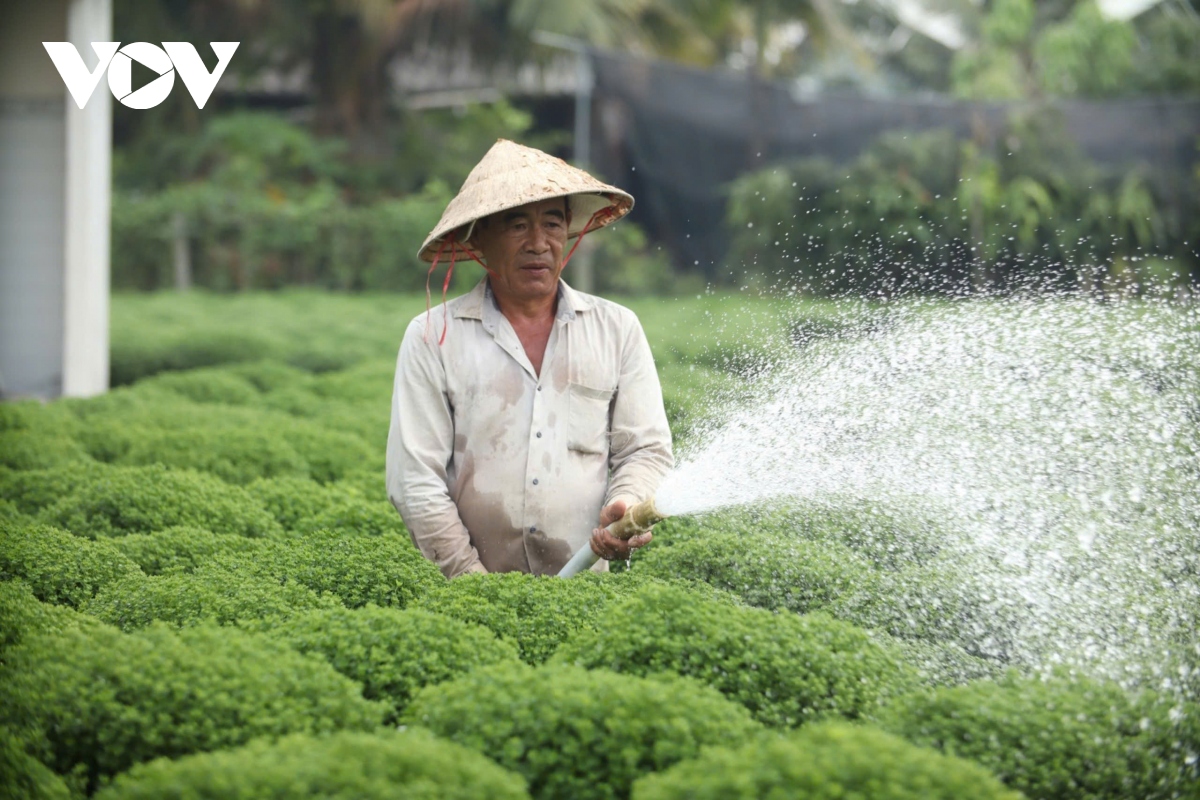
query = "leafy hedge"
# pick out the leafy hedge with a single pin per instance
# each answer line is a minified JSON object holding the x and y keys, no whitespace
{"x":393,"y":653}
{"x":100,"y":701}
{"x":537,"y":614}
{"x":206,"y":385}
{"x":942,"y":663}
{"x":1079,"y":738}
{"x":369,"y":766}
{"x":22,"y":615}
{"x":238,"y":444}
{"x":771,"y":572}
{"x":829,"y":761}
{"x":786,"y":669}
{"x":890,"y":535}
{"x":26,"y":778}
{"x":35,"y":449}
{"x":122,"y":500}
{"x":182,"y":548}
{"x":293,"y":501}
{"x":386,"y":570}
{"x":939,"y":602}
{"x":304,"y":506}
{"x":236,"y":455}
{"x":60,"y":567}
{"x":208,"y":594}
{"x":577,"y":733}
{"x":31,"y":491}
{"x":35,"y":436}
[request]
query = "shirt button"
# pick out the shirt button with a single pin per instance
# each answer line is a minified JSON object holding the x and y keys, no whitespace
{"x":539,"y":388}
{"x":539,"y":434}
{"x":535,"y":481}
{"x":533,"y":528}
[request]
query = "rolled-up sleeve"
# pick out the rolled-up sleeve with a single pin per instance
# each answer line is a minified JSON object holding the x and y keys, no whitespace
{"x":640,"y":450}
{"x":419,"y":449}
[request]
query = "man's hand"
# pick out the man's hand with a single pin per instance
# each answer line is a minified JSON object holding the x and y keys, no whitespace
{"x":609,"y":547}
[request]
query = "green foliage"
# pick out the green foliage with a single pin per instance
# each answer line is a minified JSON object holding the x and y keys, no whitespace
{"x":212,"y":385}
{"x":124,"y":500}
{"x":393,"y":653}
{"x":38,"y":449}
{"x":60,"y":567}
{"x":693,"y":396}
{"x":797,"y":556}
{"x":1166,"y":62}
{"x":243,"y":150}
{"x":352,"y":513}
{"x":1058,"y":738}
{"x":35,"y":436}
{"x":625,"y":264}
{"x":751,"y":655}
{"x":1008,"y":23}
{"x":891,"y":534}
{"x":101,"y":701}
{"x":534,"y":613}
{"x":942,"y":663}
{"x":31,"y":491}
{"x":23,"y":615}
{"x":773,"y":572}
{"x":305,"y":329}
{"x":371,"y":766}
{"x":182,"y":548}
{"x":942,"y":602}
{"x":330,"y":454}
{"x":294,"y":502}
{"x":271,"y":237}
{"x":237,"y":456}
{"x":829,"y":761}
{"x":865,"y":227}
{"x":9,"y":513}
{"x":385,"y":569}
{"x":577,"y":733}
{"x":26,"y":778}
{"x":925,"y":212}
{"x":1082,"y":54}
{"x":1086,"y":55}
{"x":210,"y":594}
{"x":238,"y":443}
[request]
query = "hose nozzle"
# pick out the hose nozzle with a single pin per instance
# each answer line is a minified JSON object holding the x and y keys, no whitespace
{"x":639,"y":518}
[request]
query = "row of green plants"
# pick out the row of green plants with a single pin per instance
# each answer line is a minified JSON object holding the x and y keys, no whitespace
{"x":928,"y":212}
{"x":109,"y":689}
{"x":205,"y":592}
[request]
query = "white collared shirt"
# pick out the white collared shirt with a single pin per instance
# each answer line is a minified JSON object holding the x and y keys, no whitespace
{"x":495,"y":468}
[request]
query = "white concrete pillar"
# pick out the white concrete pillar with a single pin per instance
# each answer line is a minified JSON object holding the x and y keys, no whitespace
{"x":54,"y":206}
{"x":89,"y":189}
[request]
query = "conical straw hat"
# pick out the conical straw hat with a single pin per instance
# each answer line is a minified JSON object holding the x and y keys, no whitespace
{"x":512,"y":175}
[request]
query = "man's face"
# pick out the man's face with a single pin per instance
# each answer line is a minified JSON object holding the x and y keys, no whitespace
{"x":523,"y":248}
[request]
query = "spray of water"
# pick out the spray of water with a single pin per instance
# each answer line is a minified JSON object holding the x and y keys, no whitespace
{"x":1056,"y":440}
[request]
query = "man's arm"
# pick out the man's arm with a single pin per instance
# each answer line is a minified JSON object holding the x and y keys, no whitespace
{"x":640,"y":448}
{"x":420,"y":445}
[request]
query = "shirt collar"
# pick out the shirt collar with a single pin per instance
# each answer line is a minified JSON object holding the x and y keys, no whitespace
{"x":480,"y":304}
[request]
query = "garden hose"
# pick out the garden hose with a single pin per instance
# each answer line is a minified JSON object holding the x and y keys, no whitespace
{"x":640,"y":518}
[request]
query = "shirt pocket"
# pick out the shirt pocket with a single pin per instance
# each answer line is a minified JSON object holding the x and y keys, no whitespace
{"x":587,"y":418}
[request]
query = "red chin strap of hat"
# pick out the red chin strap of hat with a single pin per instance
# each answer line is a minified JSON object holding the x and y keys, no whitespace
{"x":455,"y":248}
{"x":597,"y":220}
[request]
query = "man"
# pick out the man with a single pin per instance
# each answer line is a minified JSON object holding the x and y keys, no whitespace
{"x":524,"y":411}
